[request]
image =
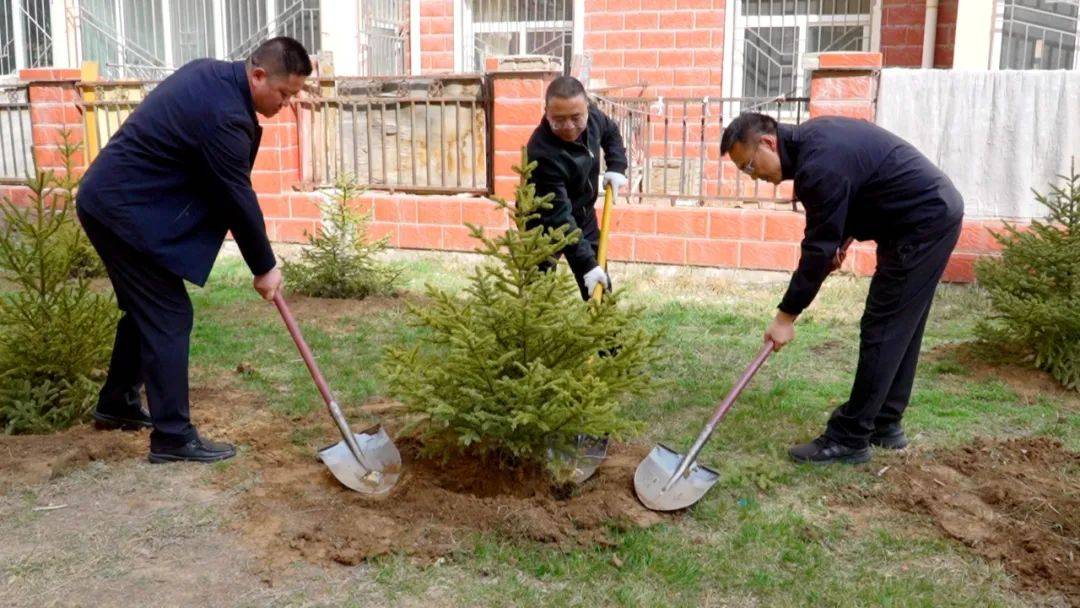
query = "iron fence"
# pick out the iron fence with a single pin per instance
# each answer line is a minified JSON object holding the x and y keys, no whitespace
{"x":16,"y":136}
{"x":105,"y":106}
{"x":413,"y":135}
{"x":673,"y":147}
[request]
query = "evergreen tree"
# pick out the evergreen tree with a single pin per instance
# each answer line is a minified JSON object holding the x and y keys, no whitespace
{"x":339,"y":262}
{"x":1034,"y":287}
{"x":55,"y":331}
{"x":514,"y":368}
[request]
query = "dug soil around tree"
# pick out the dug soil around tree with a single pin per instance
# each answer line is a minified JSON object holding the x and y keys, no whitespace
{"x":1015,"y":501}
{"x":292,"y":506}
{"x":288,"y":506}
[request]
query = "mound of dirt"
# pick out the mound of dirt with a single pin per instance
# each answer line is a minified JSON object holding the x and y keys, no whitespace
{"x":1014,"y":501}
{"x":35,"y":459}
{"x":289,"y":505}
{"x":297,"y":508}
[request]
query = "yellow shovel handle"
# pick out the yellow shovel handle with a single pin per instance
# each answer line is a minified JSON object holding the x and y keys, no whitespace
{"x":601,"y":250}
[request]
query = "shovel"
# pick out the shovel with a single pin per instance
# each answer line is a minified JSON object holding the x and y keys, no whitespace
{"x":591,"y":451}
{"x":667,"y":480}
{"x":366,"y":462}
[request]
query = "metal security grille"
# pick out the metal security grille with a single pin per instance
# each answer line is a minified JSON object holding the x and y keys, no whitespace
{"x":16,"y":142}
{"x":426,"y":134}
{"x":673,"y":148}
{"x":147,"y":39}
{"x":1039,"y":34}
{"x":386,"y":23}
{"x":771,"y":36}
{"x":516,"y":27}
{"x":25,"y":39}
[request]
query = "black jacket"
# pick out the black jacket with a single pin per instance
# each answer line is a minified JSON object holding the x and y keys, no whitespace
{"x":572,"y":172}
{"x":859,"y":180}
{"x":177,"y":175}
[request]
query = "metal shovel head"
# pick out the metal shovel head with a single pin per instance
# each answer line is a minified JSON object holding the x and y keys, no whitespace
{"x":583,"y":459}
{"x":657,"y":468}
{"x":591,"y":452}
{"x":378,"y":450}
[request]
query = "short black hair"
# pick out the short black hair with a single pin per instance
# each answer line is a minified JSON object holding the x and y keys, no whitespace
{"x":747,"y":128}
{"x":281,"y":56}
{"x":564,"y":87}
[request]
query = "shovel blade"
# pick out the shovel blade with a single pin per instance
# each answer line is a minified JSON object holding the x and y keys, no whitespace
{"x":378,"y":450}
{"x":657,"y":468}
{"x":580,"y":461}
{"x":591,"y":452}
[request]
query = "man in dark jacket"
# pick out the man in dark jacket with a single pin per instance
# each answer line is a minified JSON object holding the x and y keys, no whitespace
{"x":156,"y":204}
{"x":858,"y":181}
{"x":566,"y":147}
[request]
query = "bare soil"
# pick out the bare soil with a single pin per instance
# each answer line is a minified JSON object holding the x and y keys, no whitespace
{"x":290,"y":507}
{"x":294,"y":507}
{"x":1028,"y":382}
{"x":1015,"y":501}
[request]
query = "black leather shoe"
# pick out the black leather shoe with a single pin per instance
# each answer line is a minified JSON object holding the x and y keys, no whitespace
{"x":826,"y":451}
{"x":890,"y":437}
{"x":196,"y":450}
{"x":127,"y":415}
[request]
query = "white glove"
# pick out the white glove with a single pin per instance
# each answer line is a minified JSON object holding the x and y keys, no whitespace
{"x":594,"y":277}
{"x":616,"y":179}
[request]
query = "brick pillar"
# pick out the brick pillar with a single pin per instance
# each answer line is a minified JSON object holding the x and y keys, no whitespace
{"x":518,"y":85}
{"x":843,"y":84}
{"x":54,"y":98}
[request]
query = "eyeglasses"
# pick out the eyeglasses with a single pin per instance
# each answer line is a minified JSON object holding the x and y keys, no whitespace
{"x":571,"y":121}
{"x":748,"y":168}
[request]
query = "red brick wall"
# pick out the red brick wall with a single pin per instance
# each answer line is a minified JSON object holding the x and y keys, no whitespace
{"x":675,"y":46}
{"x":732,"y":238}
{"x":436,"y":36}
{"x":902,"y":26}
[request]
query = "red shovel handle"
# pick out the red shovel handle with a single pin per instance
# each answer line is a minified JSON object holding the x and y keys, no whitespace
{"x":305,"y":352}
{"x":755,"y":365}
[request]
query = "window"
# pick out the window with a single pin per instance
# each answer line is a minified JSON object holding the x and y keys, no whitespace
{"x":771,"y":37}
{"x":516,"y":27}
{"x":386,"y":23}
{"x":149,"y":38}
{"x":1037,"y":35}
{"x":25,"y":41}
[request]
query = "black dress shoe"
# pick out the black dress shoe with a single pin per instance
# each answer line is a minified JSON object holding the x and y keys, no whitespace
{"x":128,"y":414}
{"x":826,"y":451}
{"x":890,"y":437}
{"x":196,"y":450}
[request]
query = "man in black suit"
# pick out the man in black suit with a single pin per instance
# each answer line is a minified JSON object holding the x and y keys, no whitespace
{"x":859,"y":181}
{"x":157,"y":203}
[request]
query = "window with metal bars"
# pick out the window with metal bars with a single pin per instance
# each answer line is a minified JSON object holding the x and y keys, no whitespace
{"x":771,"y":37}
{"x":25,"y":35}
{"x":1038,"y":34}
{"x":149,"y":38}
{"x":516,"y":27}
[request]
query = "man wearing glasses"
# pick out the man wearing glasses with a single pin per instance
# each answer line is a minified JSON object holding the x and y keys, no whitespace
{"x":566,"y":147}
{"x":858,"y":181}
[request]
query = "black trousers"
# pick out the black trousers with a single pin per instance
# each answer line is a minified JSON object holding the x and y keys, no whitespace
{"x":590,"y":231}
{"x":152,"y":337}
{"x":901,"y":291}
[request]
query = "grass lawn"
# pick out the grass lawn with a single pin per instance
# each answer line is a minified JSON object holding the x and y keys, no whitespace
{"x":764,"y":535}
{"x":769,"y":534}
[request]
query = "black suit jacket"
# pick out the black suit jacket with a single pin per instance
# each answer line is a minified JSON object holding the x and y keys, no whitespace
{"x":176,"y":176}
